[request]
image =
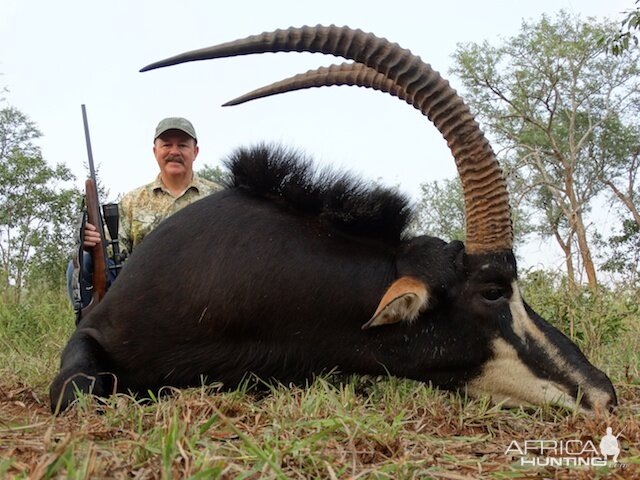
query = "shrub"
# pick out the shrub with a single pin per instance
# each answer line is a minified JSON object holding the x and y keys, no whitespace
{"x":589,"y":318}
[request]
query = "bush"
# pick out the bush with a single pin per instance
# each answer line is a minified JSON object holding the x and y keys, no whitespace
{"x":33,"y":333}
{"x":589,"y":318}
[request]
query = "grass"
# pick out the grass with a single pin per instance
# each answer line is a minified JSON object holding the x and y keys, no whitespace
{"x":362,"y":428}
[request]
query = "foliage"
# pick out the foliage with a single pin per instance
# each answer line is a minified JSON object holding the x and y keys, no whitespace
{"x":215,"y":174}
{"x":564,"y":114}
{"x":440,"y":210}
{"x":625,"y":37}
{"x":33,"y":333}
{"x":591,"y":319}
{"x":622,"y":251}
{"x":624,"y":256}
{"x":36,"y":209}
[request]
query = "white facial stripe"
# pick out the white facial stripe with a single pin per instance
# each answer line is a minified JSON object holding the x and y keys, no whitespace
{"x":525,"y":329}
{"x":522,"y":324}
{"x":521,"y":320}
{"x":506,"y":379}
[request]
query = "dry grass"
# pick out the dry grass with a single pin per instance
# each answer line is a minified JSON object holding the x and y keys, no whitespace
{"x":366,"y":428}
{"x":362,"y":428}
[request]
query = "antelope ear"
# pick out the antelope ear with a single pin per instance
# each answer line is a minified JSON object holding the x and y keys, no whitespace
{"x":403,"y":301}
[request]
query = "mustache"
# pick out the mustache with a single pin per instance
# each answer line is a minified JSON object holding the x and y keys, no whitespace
{"x":174,"y":158}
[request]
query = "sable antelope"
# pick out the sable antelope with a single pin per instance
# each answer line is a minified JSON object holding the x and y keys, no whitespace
{"x":287,"y":274}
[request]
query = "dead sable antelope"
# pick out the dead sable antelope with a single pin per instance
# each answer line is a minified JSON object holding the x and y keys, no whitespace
{"x":287,"y":274}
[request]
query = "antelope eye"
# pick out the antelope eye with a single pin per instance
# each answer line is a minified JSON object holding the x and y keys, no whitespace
{"x":493,"y":294}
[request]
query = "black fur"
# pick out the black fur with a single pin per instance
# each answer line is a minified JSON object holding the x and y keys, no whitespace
{"x":350,"y":204}
{"x":261,"y":278}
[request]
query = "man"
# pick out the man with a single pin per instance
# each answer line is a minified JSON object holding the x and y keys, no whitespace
{"x":175,"y":147}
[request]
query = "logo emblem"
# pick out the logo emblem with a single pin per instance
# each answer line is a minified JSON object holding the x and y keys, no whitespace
{"x":566,"y":453}
{"x":609,"y":445}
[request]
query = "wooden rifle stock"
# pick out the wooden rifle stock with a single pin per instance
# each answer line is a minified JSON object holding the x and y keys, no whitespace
{"x":98,"y":252}
{"x":100,"y":275}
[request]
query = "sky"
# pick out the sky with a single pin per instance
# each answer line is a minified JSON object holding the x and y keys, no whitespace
{"x":55,"y":56}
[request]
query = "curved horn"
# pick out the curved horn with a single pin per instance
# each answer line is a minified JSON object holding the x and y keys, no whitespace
{"x":488,"y":220}
{"x":352,"y":74}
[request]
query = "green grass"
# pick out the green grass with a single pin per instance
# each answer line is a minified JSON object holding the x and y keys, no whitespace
{"x":360,"y":428}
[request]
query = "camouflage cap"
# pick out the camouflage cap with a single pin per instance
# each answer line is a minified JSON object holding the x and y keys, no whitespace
{"x":175,"y":123}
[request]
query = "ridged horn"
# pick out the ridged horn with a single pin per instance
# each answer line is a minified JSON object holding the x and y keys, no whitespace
{"x":488,"y":220}
{"x":352,"y":74}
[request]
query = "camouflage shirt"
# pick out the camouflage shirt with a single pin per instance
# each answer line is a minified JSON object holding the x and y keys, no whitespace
{"x":142,"y":209}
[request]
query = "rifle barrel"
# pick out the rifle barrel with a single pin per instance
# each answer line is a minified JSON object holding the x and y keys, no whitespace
{"x":87,"y":138}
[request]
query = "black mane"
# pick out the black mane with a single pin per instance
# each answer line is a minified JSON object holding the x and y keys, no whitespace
{"x":348,"y":203}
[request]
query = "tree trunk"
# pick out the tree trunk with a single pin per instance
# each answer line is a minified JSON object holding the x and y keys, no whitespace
{"x":577,"y":225}
{"x":585,"y":253}
{"x":568,"y":258}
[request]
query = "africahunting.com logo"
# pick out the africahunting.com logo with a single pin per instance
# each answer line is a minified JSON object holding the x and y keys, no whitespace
{"x":567,"y":453}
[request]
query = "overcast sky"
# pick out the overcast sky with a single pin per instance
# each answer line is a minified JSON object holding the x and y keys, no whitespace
{"x":56,"y":55}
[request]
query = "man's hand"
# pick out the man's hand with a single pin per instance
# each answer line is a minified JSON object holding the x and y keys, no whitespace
{"x":91,"y":236}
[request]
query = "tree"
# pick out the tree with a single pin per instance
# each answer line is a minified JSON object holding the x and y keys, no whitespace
{"x":624,"y":38}
{"x":626,"y":189}
{"x":624,"y":254}
{"x":440,"y":210}
{"x":215,"y":174}
{"x":563,"y":112}
{"x":35,"y":211}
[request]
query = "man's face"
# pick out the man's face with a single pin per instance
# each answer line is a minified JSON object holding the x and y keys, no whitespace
{"x":175,"y":152}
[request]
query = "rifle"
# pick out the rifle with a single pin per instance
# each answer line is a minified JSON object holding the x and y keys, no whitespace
{"x":94,"y":216}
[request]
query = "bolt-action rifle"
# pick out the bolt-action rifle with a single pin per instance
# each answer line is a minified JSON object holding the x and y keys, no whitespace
{"x":93,"y":214}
